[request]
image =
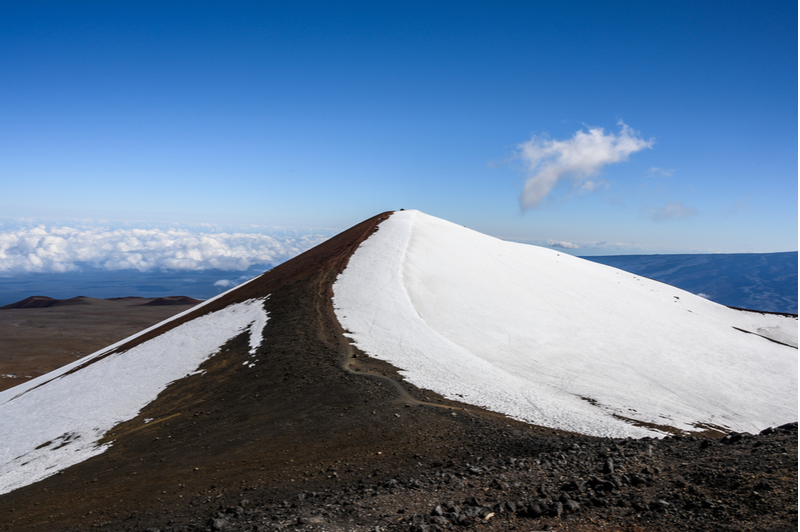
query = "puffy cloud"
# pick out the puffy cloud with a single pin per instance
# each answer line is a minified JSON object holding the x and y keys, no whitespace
{"x":61,"y":249}
{"x":562,"y":245}
{"x":580,"y":158}
{"x":224,"y":284}
{"x":671,"y":211}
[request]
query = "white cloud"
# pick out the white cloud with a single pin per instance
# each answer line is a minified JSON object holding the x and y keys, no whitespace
{"x":562,"y":245}
{"x":225,"y":284}
{"x":671,"y":211}
{"x":581,"y":158}
{"x":61,"y":249}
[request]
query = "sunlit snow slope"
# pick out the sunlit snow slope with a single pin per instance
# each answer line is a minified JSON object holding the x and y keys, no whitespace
{"x":559,"y":341}
{"x":58,"y":419}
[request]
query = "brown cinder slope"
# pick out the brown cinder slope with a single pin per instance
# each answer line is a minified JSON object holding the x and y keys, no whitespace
{"x":271,"y":427}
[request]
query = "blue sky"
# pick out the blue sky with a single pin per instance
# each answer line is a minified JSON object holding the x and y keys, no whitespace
{"x":316,"y":115}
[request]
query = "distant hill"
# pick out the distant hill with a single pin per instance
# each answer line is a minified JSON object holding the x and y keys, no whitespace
{"x":45,"y":302}
{"x":172,"y":300}
{"x":757,"y":281}
{"x":102,"y":284}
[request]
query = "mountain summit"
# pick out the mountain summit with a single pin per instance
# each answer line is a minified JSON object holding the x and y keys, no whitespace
{"x":273,"y":381}
{"x":559,"y":341}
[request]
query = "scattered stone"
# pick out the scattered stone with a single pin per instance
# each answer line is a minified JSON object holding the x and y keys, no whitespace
{"x":472,"y":511}
{"x":645,"y":484}
{"x":218,"y":524}
{"x":659,"y":505}
{"x":733,"y":437}
{"x":535,"y":509}
{"x":637,"y":480}
{"x":763,"y":486}
{"x":574,"y":486}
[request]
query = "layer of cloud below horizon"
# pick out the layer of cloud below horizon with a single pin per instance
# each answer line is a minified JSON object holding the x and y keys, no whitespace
{"x":580,"y":158}
{"x":62,"y":249}
{"x":562,"y":245}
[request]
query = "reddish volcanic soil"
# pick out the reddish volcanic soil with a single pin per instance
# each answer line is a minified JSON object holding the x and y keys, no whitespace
{"x":320,"y":437}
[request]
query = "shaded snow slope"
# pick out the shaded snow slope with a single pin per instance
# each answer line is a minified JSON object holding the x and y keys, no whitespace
{"x":57,"y":420}
{"x":559,"y":341}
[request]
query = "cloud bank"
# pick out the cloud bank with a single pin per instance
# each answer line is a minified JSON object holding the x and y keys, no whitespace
{"x":580,"y":158}
{"x":562,"y":245}
{"x":61,"y":249}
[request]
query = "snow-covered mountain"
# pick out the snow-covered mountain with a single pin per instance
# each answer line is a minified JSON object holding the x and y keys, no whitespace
{"x":559,"y":341}
{"x":537,"y":335}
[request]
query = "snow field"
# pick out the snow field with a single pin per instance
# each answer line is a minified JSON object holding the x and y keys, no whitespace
{"x":559,"y":341}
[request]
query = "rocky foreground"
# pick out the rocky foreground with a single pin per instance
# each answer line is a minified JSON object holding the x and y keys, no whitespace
{"x":739,"y":482}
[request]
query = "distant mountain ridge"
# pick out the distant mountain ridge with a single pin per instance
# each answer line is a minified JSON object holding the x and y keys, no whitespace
{"x":47,"y":302}
{"x":102,"y":284}
{"x":44,"y":302}
{"x":756,"y":281}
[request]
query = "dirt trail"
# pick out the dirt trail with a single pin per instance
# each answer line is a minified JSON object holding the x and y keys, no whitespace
{"x":356,"y":362}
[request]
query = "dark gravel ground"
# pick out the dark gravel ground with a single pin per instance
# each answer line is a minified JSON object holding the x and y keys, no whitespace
{"x":318,"y":437}
{"x":741,"y":482}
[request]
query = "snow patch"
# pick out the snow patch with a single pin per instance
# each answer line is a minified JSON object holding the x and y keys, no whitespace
{"x":58,"y":419}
